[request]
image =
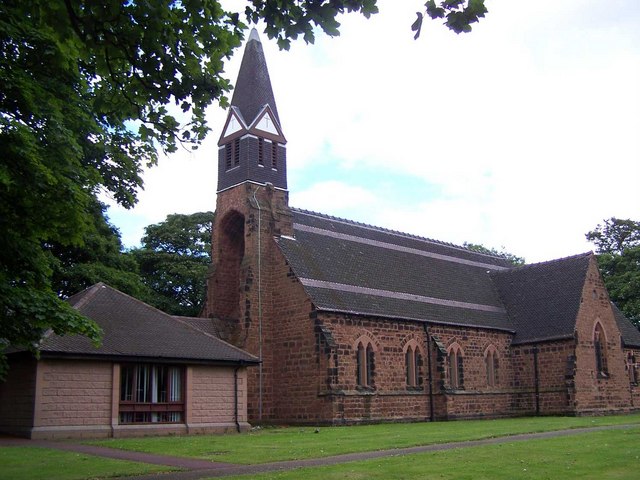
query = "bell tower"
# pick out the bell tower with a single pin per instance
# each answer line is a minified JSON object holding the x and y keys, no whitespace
{"x":252,"y":146}
{"x":252,"y":207}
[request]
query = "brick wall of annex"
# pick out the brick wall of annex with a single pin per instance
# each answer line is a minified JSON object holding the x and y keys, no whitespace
{"x":596,"y":393}
{"x":213,"y":395}
{"x":17,"y":397}
{"x":74,"y":394}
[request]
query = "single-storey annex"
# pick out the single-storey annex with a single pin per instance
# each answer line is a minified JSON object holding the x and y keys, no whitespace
{"x":153,"y":374}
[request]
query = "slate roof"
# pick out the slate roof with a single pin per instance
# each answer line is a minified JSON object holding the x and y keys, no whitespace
{"x":356,"y":268}
{"x":253,"y":88}
{"x":543,"y":298}
{"x":135,"y":330}
{"x":630,"y":333}
{"x":351,"y":267}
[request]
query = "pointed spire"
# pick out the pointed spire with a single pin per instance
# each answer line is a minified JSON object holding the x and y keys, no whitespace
{"x":253,"y":88}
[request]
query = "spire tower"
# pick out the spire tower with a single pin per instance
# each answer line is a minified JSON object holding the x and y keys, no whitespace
{"x":252,"y":145}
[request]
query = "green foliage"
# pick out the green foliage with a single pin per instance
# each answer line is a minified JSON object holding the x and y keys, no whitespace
{"x":174,"y":260}
{"x":615,"y":236}
{"x":286,"y":20}
{"x":100,"y":258}
{"x":514,"y":259}
{"x":458,"y":14}
{"x":617,"y":244}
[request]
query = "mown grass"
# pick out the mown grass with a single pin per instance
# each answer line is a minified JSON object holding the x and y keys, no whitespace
{"x":34,"y":463}
{"x":604,"y":455}
{"x":293,"y":443}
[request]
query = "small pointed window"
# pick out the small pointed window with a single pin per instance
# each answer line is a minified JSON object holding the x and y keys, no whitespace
{"x":600,"y":347}
{"x":455,"y":368}
{"x":632,"y":368}
{"x":491,"y":365}
{"x":365,"y":359}
{"x":413,"y":361}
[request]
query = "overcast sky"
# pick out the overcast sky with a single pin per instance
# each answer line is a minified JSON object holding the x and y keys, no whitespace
{"x":522,"y":135}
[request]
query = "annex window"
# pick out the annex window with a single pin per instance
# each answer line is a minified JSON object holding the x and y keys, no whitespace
{"x":455,"y":367}
{"x":274,"y":155}
{"x":491,"y":366}
{"x":151,"y":394}
{"x":632,"y":368}
{"x":600,"y":347}
{"x":413,"y":361}
{"x":365,"y":359}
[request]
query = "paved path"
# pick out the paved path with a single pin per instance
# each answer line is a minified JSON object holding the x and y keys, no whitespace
{"x":196,"y":469}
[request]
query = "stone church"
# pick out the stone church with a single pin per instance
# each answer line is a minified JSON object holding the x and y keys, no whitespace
{"x":355,"y":323}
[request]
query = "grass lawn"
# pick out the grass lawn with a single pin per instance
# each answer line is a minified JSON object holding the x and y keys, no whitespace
{"x":599,"y":455}
{"x":33,"y":463}
{"x":274,"y":444}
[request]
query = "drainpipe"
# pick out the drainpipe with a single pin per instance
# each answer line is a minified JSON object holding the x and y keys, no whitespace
{"x":432,"y":415}
{"x":536,"y":377}
{"x":235,"y":396}
{"x":259,"y":305}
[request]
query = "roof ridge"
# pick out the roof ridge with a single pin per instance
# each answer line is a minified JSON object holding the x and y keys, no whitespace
{"x":396,"y":232}
{"x":554,"y":260}
{"x":85,"y":295}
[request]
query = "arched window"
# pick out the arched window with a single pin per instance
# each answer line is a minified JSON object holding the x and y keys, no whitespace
{"x":413,"y":362}
{"x":600,"y":347}
{"x":455,"y":367}
{"x":632,"y":368}
{"x":491,"y":365}
{"x":365,"y":362}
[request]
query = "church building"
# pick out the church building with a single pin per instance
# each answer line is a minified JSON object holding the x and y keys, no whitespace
{"x":354,"y":323}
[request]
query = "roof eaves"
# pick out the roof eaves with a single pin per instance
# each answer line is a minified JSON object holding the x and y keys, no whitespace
{"x":551,"y":338}
{"x":420,"y":320}
{"x":147,"y":358}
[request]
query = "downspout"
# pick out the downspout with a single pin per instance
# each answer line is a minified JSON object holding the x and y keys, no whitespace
{"x":259,"y":305}
{"x":536,"y":378}
{"x":235,"y":397}
{"x":432,"y":415}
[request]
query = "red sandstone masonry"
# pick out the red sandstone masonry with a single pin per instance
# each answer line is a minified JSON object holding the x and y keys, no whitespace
{"x":596,"y":393}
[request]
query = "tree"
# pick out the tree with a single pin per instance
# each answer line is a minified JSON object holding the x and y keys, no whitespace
{"x":90,"y":90}
{"x":174,"y":261}
{"x":514,"y":259}
{"x":617,"y":244}
{"x":100,"y":259}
